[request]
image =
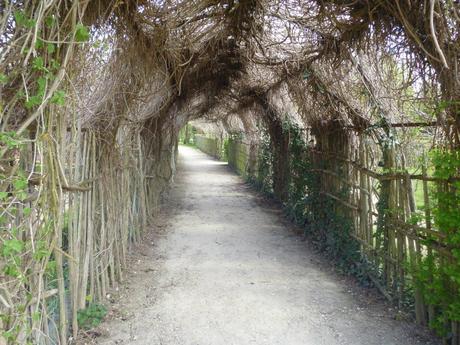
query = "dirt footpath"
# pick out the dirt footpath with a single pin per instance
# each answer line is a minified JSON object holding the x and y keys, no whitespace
{"x":223,"y":268}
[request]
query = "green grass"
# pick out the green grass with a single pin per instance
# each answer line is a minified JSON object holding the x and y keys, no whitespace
{"x":418,"y":194}
{"x":417,"y":186}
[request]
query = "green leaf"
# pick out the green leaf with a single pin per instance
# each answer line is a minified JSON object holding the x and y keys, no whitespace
{"x":13,"y":246}
{"x":92,"y":316}
{"x":22,"y":195}
{"x":38,"y":64}
{"x":81,"y":33}
{"x":49,"y":21}
{"x":11,"y":271}
{"x":38,"y":44}
{"x":54,"y":64}
{"x":51,"y":48}
{"x":36,"y":316}
{"x":41,"y":86}
{"x":33,"y":101}
{"x":20,"y":184}
{"x":58,"y":97}
{"x":31,"y":23}
{"x":3,"y":78}
{"x":3,"y":195}
{"x":20,"y":18}
{"x":27,"y":211}
{"x":42,"y":250}
{"x":50,"y":269}
{"x":9,"y":139}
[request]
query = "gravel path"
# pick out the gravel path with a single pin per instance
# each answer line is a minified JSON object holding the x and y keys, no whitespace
{"x":223,"y":268}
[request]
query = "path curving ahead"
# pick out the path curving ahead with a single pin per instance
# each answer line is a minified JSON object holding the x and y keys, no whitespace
{"x":223,"y":268}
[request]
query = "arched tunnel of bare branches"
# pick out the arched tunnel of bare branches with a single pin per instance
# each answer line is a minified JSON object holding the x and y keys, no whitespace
{"x":345,"y":112}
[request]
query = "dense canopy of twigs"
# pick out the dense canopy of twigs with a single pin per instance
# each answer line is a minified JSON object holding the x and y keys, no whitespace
{"x":214,"y":58}
{"x":94,"y":93}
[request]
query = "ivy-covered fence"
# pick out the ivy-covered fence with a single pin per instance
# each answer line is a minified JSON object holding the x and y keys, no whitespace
{"x":242,"y":157}
{"x":211,"y":146}
{"x":392,"y":221}
{"x":78,"y":183}
{"x":71,"y":253}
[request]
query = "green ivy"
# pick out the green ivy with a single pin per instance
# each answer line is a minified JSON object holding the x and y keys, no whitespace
{"x":3,"y":78}
{"x":438,"y":277}
{"x":91,"y":316}
{"x":10,"y":140}
{"x":264,"y":178}
{"x":321,"y":218}
{"x":298,"y":179}
{"x":23,"y":20}
{"x":81,"y":33}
